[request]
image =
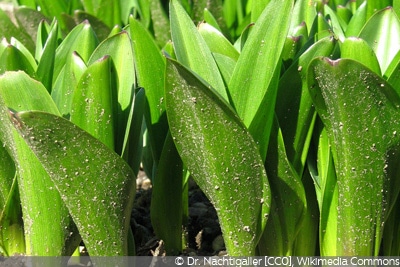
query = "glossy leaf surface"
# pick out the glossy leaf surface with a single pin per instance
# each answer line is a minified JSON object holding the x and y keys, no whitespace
{"x":382,"y":33}
{"x":221,"y":156}
{"x":43,"y":210}
{"x":80,"y":165}
{"x":93,"y":102}
{"x":191,"y":49}
{"x":150,"y":66}
{"x":361,"y":113}
{"x":253,"y":85}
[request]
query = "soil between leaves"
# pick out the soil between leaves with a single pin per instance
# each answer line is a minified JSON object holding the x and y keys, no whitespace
{"x":203,"y":231}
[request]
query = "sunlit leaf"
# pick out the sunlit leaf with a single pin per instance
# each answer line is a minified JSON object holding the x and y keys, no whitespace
{"x":361,"y":113}
{"x":221,"y":156}
{"x":80,"y":165}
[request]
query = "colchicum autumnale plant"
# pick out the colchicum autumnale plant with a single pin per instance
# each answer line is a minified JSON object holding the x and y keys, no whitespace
{"x":285,"y":113}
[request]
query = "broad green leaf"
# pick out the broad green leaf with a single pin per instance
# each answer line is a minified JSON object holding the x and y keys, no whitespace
{"x":119,"y":47}
{"x":166,"y":199}
{"x":288,"y":201}
{"x":66,"y":83}
{"x":344,"y":15}
{"x":96,"y":185}
{"x":12,"y":59}
{"x":42,"y":207}
{"x":382,"y":33}
{"x":191,"y":49}
{"x":81,"y":40}
{"x":257,"y":7}
{"x":253,"y":85}
{"x":373,"y":6}
{"x":93,"y":106}
{"x":357,"y":21}
{"x":358,"y":49}
{"x":356,"y":106}
{"x":221,"y":156}
{"x":28,"y":56}
{"x":293,"y":98}
{"x":150,"y":67}
{"x":216,"y":41}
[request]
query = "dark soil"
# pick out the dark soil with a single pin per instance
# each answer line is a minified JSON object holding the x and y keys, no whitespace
{"x":203,"y":230}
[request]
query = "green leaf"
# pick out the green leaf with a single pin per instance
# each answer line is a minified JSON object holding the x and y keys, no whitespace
{"x":288,"y":204}
{"x":107,"y":11}
{"x":293,"y":98}
{"x":133,"y":139}
{"x":12,"y":59}
{"x":334,"y":21}
{"x":257,"y":7}
{"x":322,"y":171}
{"x":381,"y":33}
{"x":81,"y":40}
{"x":356,"y":106}
{"x":119,"y":47}
{"x":7,"y":173}
{"x":303,"y":11}
{"x":12,"y":239}
{"x":66,"y":83}
{"x":221,"y":156}
{"x":216,"y":41}
{"x":99,"y":27}
{"x":359,"y":50}
{"x":191,"y":49}
{"x":161,"y":25}
{"x":46,"y":63}
{"x":226,"y":66}
{"x":93,"y":104}
{"x":28,"y":56}
{"x":150,"y":67}
{"x":96,"y":185}
{"x":53,"y":9}
{"x":43,"y":210}
{"x":253,"y":85}
{"x":166,"y":200}
{"x":357,"y":21}
{"x":373,"y":6}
